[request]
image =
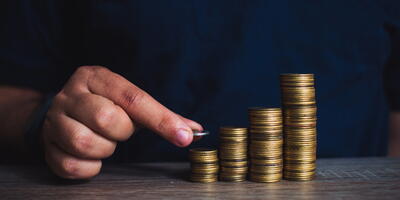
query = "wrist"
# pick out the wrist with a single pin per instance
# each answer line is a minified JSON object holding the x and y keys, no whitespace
{"x":32,"y":134}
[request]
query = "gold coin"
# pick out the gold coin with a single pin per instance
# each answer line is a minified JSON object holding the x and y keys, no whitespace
{"x":231,"y":129}
{"x":234,"y":157}
{"x":261,"y":137}
{"x":273,"y":162}
{"x":299,"y":176}
{"x":299,"y":148}
{"x":299,"y":103}
{"x":233,"y":154}
{"x":204,"y":159}
{"x":292,"y":97}
{"x":300,"y":167}
{"x":265,"y":178}
{"x":300,"y":143}
{"x":233,"y":139}
{"x":232,"y":178}
{"x":264,"y":110}
{"x":254,"y":148}
{"x":264,"y":153}
{"x":297,"y":76}
{"x":204,"y":168}
{"x":299,"y":159}
{"x":234,"y":163}
{"x":300,"y":131}
{"x":297,"y":91}
{"x":203,"y":155}
{"x":266,"y":127}
{"x":303,"y":136}
{"x":202,"y":151}
{"x":265,"y":156}
{"x":204,"y":178}
{"x":234,"y":170}
{"x":264,"y":169}
{"x":297,"y":84}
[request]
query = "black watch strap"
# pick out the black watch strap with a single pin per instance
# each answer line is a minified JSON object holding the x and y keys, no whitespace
{"x":32,"y":133}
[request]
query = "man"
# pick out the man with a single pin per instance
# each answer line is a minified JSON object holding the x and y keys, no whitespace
{"x":209,"y":60}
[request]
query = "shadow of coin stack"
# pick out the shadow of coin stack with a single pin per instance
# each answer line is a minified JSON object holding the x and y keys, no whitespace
{"x":233,"y":154}
{"x":204,"y":165}
{"x":265,"y":144}
{"x":299,"y":112}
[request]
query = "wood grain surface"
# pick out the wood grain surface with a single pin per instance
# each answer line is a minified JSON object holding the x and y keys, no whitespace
{"x":358,"y":178}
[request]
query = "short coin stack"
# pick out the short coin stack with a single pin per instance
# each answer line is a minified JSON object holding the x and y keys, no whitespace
{"x":233,"y":154}
{"x":299,"y":111}
{"x":265,"y":144}
{"x":204,"y":165}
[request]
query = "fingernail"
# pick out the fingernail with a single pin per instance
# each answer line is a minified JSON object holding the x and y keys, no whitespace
{"x":183,"y":136}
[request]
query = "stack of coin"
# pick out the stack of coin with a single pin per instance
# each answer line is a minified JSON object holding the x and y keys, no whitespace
{"x":265,"y":144}
{"x":204,"y":165}
{"x":233,"y":154}
{"x":300,"y":135}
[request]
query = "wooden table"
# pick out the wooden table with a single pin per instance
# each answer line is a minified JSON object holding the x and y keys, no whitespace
{"x":359,"y":178}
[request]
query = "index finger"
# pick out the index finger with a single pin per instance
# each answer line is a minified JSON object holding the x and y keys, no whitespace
{"x":139,"y":105}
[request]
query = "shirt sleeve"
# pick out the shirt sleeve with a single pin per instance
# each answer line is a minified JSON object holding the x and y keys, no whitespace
{"x":392,"y":68}
{"x":38,"y":43}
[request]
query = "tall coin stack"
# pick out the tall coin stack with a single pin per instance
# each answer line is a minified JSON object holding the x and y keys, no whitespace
{"x":233,"y":154}
{"x":204,"y":165}
{"x":265,"y":144}
{"x":300,"y":134}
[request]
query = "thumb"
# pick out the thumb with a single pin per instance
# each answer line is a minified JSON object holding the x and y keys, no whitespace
{"x":193,"y":125}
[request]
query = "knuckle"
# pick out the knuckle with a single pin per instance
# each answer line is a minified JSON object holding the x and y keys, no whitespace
{"x":70,"y":168}
{"x":98,"y":68}
{"x":83,"y":143}
{"x":60,"y":96}
{"x":127,"y":126}
{"x":59,"y":100}
{"x":132,"y":98}
{"x":90,"y":69}
{"x":104,"y":118}
{"x":85,"y":70}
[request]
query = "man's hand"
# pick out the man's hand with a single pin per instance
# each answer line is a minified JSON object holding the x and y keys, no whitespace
{"x":94,"y":110}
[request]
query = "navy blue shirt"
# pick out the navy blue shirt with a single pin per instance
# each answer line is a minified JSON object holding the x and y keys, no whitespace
{"x":210,"y":60}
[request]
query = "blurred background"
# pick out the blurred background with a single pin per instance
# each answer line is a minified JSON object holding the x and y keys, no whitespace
{"x":211,"y":60}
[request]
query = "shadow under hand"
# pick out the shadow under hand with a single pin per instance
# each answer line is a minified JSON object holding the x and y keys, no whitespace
{"x":149,"y":170}
{"x":39,"y":174}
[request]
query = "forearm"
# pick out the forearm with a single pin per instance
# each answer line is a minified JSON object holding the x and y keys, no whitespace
{"x":16,"y":107}
{"x":394,"y":134}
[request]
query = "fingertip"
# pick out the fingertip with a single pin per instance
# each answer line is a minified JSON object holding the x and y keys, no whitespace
{"x":184,"y":137}
{"x":86,"y":170}
{"x":192,"y":124}
{"x":199,"y":127}
{"x":93,"y":170}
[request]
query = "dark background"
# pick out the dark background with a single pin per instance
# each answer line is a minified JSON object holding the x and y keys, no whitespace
{"x":211,"y":60}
